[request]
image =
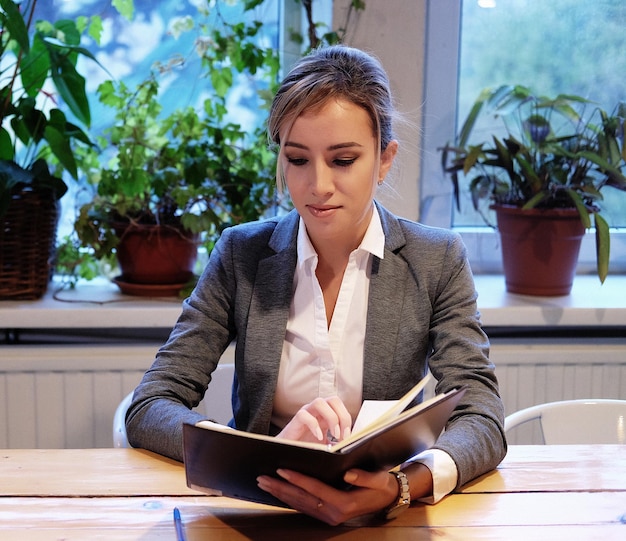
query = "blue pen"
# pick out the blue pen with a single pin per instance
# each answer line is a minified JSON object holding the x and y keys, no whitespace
{"x":178,"y":524}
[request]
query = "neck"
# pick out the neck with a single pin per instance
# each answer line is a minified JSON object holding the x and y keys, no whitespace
{"x":334,"y":251}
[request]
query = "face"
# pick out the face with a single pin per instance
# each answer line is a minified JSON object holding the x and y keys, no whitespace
{"x":330,"y":167}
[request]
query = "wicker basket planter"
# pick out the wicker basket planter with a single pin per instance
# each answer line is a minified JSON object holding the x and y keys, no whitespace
{"x":27,"y":244}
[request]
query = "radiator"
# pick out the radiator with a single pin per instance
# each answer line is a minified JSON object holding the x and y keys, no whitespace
{"x":534,"y":373}
{"x":64,"y":396}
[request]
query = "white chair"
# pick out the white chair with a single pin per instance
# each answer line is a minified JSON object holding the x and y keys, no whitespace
{"x":575,"y":421}
{"x":119,"y":422}
{"x":216,"y":404}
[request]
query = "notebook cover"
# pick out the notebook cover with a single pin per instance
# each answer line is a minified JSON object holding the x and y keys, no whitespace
{"x":228,"y":463}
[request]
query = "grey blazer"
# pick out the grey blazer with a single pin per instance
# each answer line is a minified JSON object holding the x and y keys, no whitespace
{"x":421,"y":314}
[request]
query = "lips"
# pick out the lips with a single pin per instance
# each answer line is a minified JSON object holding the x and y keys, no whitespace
{"x":322,"y":211}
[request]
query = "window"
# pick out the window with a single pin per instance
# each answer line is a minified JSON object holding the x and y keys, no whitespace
{"x":129,"y":50}
{"x":559,"y":46}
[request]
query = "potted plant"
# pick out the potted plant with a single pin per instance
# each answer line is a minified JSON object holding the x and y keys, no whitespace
{"x":35,"y":136}
{"x":189,"y":173}
{"x":181,"y":176}
{"x":168,"y":183}
{"x":543,"y":171}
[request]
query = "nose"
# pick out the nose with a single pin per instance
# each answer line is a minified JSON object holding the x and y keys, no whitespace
{"x":322,"y":182}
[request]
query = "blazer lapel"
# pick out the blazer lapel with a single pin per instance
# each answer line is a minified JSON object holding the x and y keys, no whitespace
{"x":268,"y":315}
{"x":387,"y":287}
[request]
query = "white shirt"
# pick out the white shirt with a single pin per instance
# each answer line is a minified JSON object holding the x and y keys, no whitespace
{"x":318,"y":360}
{"x":322,"y":361}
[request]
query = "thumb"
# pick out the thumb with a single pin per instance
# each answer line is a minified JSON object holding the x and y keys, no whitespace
{"x":365,"y":479}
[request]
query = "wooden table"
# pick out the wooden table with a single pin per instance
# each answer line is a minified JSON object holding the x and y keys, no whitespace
{"x":538,"y":492}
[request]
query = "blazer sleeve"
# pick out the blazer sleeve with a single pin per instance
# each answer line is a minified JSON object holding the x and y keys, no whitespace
{"x":179,"y":376}
{"x":474,"y":436}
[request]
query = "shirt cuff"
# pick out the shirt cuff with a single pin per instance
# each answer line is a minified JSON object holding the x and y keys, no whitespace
{"x":444,"y":472}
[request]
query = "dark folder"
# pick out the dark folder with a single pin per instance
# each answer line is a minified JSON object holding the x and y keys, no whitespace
{"x":225,"y":461}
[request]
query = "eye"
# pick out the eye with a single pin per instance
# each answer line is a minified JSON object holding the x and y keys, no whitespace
{"x":296,"y":161}
{"x":344,"y":162}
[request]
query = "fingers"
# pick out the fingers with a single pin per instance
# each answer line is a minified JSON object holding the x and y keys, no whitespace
{"x":342,"y":418}
{"x":331,"y":416}
{"x":295,"y":496}
{"x":315,"y":420}
{"x":374,"y":480}
{"x":372,"y":492}
{"x":304,"y":494}
{"x":308,"y":420}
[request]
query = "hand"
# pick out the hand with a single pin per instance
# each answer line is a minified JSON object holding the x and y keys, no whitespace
{"x":315,"y":420}
{"x":372,"y":492}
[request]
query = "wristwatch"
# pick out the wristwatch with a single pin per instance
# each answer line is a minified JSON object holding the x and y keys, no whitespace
{"x":404,"y":496}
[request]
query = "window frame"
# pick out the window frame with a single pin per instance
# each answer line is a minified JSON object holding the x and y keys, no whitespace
{"x":441,"y":83}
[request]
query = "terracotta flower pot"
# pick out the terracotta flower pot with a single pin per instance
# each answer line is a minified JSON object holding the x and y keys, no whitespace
{"x":154,"y":255}
{"x":539,"y":249}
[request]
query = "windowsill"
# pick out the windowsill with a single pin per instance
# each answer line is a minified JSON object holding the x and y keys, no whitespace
{"x":93,"y":304}
{"x":99,"y":304}
{"x":590,"y":304}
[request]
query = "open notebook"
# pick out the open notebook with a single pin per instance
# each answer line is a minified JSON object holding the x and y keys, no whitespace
{"x":222,"y":460}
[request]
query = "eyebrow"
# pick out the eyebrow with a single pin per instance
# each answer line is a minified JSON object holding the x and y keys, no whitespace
{"x":338,"y":146}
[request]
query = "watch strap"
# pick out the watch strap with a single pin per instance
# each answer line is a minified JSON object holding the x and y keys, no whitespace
{"x":404,"y":495}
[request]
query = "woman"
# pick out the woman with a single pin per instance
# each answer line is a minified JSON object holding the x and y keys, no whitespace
{"x":337,"y":302}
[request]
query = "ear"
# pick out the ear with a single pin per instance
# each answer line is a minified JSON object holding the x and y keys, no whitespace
{"x":386,"y":158}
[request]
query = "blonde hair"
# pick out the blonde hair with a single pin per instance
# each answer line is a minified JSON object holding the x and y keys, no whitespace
{"x":335,"y":72}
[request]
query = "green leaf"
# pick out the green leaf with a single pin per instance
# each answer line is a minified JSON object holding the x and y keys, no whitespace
{"x":12,"y":175}
{"x":616,"y":177}
{"x":505,"y":158}
{"x":35,"y":67}
{"x":106,"y":93}
{"x":603,"y":246}
{"x":82,"y":23}
{"x":14,"y":23}
{"x":475,"y":152}
{"x":71,"y":87}
{"x":251,"y":4}
{"x":529,"y":173}
{"x":60,"y":147}
{"x":506,"y":99}
{"x":534,"y":200}
{"x":580,"y":206}
{"x":95,"y":29}
{"x":6,"y":145}
{"x":29,"y":122}
{"x":222,"y":81}
{"x":69,"y":32}
{"x":468,"y":125}
{"x":44,"y":178}
{"x":126,"y":8}
{"x":74,"y":132}
{"x":63,"y":49}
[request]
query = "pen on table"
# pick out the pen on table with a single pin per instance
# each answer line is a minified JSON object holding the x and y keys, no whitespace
{"x":178,"y":524}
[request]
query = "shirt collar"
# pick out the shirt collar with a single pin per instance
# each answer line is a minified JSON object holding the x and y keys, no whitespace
{"x":373,"y":241}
